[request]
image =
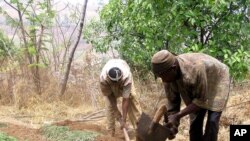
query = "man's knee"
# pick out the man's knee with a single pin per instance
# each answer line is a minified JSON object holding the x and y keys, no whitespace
{"x":214,"y":119}
{"x":213,"y":122}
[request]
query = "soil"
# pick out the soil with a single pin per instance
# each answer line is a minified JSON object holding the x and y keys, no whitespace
{"x":92,"y":127}
{"x":24,"y":133}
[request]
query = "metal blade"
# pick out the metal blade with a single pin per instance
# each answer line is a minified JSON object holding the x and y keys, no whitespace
{"x":159,"y":134}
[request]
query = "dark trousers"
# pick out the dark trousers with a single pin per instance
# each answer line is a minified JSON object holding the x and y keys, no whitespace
{"x":212,"y":126}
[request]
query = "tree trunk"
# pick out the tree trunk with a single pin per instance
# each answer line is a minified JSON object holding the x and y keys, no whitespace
{"x":36,"y":73}
{"x":23,"y":34}
{"x":65,"y":80}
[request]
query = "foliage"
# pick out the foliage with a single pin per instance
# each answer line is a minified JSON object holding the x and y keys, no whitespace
{"x":6,"y":47}
{"x":95,"y":33}
{"x":238,"y":62}
{"x":59,"y":133}
{"x":142,"y":27}
{"x":4,"y":137}
{"x":35,"y":16}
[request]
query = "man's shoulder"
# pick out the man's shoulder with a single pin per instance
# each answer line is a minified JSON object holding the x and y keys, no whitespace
{"x":113,"y":63}
{"x":201,"y":59}
{"x":116,"y":61}
{"x":196,"y":56}
{"x":195,"y":64}
{"x":120,"y":63}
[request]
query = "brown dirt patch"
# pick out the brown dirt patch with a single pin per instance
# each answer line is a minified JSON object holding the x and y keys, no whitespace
{"x":22,"y":133}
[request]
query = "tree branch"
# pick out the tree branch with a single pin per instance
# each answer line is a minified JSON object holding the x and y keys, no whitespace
{"x":10,"y":5}
{"x":216,"y":23}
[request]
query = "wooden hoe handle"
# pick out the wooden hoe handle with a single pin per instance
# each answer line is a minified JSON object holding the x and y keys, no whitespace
{"x":125,"y":134}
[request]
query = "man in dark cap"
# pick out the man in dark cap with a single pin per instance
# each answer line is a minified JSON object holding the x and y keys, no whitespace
{"x":116,"y":81}
{"x":203,"y":84}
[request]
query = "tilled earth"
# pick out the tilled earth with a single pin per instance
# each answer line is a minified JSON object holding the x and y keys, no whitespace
{"x":24,"y":133}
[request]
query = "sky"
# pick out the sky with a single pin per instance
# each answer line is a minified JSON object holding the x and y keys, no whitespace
{"x":91,"y":2}
{"x":91,"y":12}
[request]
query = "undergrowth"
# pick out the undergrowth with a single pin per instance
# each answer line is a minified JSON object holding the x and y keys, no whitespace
{"x":5,"y":137}
{"x":62,"y":133}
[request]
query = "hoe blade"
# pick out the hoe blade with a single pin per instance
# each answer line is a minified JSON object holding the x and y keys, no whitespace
{"x":159,"y":134}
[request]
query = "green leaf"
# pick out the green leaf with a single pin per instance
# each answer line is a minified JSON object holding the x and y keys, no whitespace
{"x":32,"y":50}
{"x":142,"y":26}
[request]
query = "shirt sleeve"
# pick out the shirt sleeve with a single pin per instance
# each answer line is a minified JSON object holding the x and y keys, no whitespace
{"x":126,"y":91}
{"x":173,"y":99}
{"x":200,"y":90}
{"x":127,"y":86}
{"x":105,"y":89}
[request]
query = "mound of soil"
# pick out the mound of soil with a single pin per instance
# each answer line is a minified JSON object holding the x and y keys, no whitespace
{"x":22,"y":133}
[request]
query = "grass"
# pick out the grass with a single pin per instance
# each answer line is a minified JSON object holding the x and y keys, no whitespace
{"x":62,"y":133}
{"x":5,"y":137}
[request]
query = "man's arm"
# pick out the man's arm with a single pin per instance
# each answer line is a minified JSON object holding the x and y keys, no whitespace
{"x":173,"y":101}
{"x":191,"y":108}
{"x":125,"y":104}
{"x":199,"y":93}
{"x":125,"y":100}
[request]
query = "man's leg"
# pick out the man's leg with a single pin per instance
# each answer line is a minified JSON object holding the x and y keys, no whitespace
{"x":196,"y":124}
{"x":112,"y":113}
{"x":212,"y":126}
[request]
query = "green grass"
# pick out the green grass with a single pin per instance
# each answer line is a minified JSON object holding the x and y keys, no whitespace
{"x":5,"y":137}
{"x":62,"y":133}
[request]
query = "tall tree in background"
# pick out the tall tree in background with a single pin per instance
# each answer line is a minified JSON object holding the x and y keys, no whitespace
{"x":138,"y":28}
{"x":66,"y":76}
{"x":38,"y":15}
{"x":42,"y":38}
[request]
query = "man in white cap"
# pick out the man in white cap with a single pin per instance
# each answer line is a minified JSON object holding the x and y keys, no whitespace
{"x":203,"y":84}
{"x":116,"y":81}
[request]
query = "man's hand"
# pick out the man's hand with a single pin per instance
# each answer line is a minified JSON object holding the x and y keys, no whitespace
{"x":123,"y":124}
{"x":172,"y":124}
{"x":173,"y":120}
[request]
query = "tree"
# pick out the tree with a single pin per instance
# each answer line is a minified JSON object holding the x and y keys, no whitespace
{"x":38,"y":15}
{"x":64,"y":83}
{"x":138,"y":28}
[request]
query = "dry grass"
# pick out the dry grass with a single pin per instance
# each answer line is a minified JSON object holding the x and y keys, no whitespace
{"x":19,"y":100}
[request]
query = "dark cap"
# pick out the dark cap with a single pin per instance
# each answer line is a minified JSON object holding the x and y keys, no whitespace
{"x":114,"y":74}
{"x":162,"y":61}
